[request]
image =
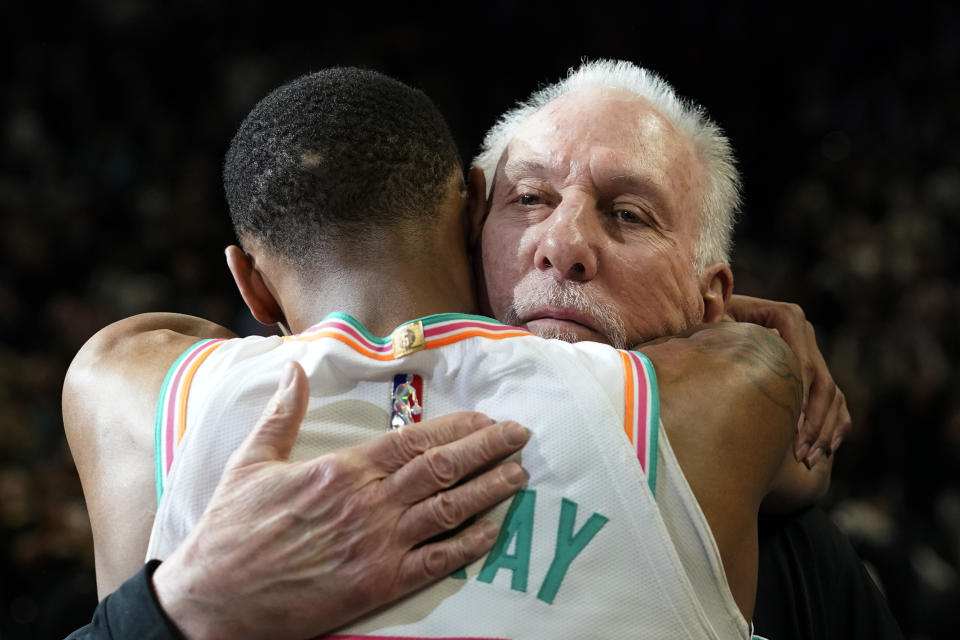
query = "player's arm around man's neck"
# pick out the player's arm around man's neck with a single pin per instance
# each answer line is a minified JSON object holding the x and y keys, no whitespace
{"x":730,"y":401}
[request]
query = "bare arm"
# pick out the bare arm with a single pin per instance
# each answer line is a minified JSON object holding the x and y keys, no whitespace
{"x":824,"y":420}
{"x":743,"y":378}
{"x":109,"y":399}
{"x":730,"y":398}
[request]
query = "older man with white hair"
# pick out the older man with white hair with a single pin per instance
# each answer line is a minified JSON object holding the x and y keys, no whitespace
{"x":610,"y":209}
{"x":680,"y":163}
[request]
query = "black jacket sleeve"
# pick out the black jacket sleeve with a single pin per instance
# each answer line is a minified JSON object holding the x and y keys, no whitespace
{"x":132,"y":611}
{"x":812,"y":584}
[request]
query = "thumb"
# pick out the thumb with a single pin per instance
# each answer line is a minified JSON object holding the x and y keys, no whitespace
{"x":273,"y":436}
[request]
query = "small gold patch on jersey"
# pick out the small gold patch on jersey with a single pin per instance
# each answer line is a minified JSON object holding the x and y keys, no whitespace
{"x":408,"y":339}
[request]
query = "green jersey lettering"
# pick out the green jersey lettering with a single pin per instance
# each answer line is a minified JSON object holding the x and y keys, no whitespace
{"x":518,"y":527}
{"x":569,"y":546}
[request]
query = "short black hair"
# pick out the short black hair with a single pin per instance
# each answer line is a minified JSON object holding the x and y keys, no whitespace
{"x":336,"y":155}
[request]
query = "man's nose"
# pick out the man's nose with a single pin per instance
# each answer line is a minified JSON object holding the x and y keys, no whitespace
{"x":569,"y":242}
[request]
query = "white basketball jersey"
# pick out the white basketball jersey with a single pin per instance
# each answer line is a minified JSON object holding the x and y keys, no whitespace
{"x":584,"y":551}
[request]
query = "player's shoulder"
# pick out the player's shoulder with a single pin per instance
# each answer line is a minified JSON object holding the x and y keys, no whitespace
{"x":134,"y":352}
{"x":743,"y":359}
{"x":109,"y":406}
{"x":756,"y":374}
{"x":735,"y":385}
{"x":146,"y":337}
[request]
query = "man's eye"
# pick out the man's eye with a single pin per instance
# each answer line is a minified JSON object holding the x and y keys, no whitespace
{"x":528,"y":199}
{"x":625,"y":215}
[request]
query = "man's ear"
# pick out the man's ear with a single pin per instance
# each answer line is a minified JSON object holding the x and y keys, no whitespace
{"x":263,"y":305}
{"x":476,"y":206}
{"x":477,"y":210}
{"x":716,"y":287}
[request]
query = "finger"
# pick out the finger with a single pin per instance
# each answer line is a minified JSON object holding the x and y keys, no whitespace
{"x":812,"y":366}
{"x":448,"y":509}
{"x":791,"y":323}
{"x":823,"y":392}
{"x":844,"y":423}
{"x":273,"y":436}
{"x":822,"y":447}
{"x":396,"y":448}
{"x":437,"y":560}
{"x":444,"y":466}
{"x":731,"y":309}
{"x":806,"y":437}
{"x":742,"y":308}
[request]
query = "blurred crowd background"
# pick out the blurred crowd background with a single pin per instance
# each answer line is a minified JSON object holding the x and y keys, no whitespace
{"x":114,"y":117}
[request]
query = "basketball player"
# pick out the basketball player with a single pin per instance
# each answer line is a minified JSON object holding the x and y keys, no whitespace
{"x":214,"y":586}
{"x":393,"y":247}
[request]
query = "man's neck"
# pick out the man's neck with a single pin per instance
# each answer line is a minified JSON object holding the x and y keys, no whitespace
{"x":383,"y":297}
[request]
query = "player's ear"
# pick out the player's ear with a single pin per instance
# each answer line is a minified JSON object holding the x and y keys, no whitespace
{"x":476,"y":205}
{"x":716,"y":286}
{"x":253,"y":289}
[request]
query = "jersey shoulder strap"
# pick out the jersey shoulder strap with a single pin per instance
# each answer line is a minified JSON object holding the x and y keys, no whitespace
{"x":171,"y":416}
{"x":641,"y":411}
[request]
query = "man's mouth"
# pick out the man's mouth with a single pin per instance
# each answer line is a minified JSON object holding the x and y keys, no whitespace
{"x":567,"y":311}
{"x":558,"y":322}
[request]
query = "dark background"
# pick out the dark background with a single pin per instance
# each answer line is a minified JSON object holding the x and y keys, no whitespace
{"x":114,"y":119}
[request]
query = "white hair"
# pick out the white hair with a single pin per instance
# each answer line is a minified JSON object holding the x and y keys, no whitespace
{"x":721,"y":195}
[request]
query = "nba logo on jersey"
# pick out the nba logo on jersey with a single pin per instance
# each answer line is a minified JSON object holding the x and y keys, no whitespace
{"x":405,"y":400}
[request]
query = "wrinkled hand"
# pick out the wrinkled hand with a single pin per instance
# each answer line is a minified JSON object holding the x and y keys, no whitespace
{"x":824,"y":419}
{"x":295,"y":549}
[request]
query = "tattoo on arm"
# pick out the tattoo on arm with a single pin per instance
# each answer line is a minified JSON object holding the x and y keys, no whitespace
{"x":766,"y":360}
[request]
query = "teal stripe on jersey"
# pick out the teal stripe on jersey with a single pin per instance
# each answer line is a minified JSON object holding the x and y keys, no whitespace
{"x":159,"y":423}
{"x":437,"y":318}
{"x":353,"y":322}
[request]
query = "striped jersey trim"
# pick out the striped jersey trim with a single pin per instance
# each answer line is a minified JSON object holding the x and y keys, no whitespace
{"x":339,"y":637}
{"x":171,"y":420}
{"x":641,"y":412}
{"x":438,"y":330}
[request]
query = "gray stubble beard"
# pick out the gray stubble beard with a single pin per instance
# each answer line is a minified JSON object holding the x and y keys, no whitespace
{"x":529,"y":295}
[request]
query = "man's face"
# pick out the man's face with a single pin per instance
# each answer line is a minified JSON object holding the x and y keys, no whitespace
{"x":593,"y":222}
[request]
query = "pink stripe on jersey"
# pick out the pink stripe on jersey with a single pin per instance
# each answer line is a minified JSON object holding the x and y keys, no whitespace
{"x":642,"y":410}
{"x":641,"y":415}
{"x":348,"y":329}
{"x":447,"y":327}
{"x":406,"y":638}
{"x":178,"y":392}
{"x":170,"y":427}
